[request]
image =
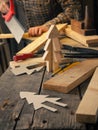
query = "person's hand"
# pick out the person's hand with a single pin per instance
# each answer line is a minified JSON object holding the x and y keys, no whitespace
{"x":4,"y":8}
{"x":38,"y":30}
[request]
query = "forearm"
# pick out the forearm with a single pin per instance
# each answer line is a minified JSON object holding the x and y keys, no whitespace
{"x":70,"y":10}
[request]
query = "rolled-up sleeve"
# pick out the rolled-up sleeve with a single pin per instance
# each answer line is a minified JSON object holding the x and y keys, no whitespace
{"x":71,"y":9}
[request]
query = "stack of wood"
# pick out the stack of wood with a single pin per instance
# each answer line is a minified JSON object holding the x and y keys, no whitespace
{"x":74,"y":76}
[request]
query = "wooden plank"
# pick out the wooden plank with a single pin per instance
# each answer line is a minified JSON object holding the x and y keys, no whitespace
{"x":39,"y":42}
{"x":87,"y":111}
{"x":71,"y":43}
{"x":72,"y":77}
{"x":85,"y":40}
{"x":64,"y":118}
{"x":12,"y":116}
{"x":25,"y":120}
{"x":25,"y":36}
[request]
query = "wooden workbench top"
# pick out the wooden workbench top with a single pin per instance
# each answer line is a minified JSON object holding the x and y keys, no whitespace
{"x":17,"y":114}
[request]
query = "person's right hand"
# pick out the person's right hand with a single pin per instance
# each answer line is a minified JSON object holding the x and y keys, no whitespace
{"x":38,"y":30}
{"x":4,"y":8}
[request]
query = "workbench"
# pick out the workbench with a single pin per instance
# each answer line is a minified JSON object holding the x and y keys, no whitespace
{"x":17,"y":114}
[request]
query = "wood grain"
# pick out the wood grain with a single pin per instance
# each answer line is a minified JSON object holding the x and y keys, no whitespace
{"x":72,"y":77}
{"x":87,"y":111}
{"x":39,"y":42}
{"x":85,"y":40}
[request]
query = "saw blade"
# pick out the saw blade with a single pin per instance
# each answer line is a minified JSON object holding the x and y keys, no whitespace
{"x":15,"y":28}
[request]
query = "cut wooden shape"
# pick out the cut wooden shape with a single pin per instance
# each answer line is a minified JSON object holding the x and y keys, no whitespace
{"x":53,"y":32}
{"x":25,"y":70}
{"x":56,"y":44}
{"x":85,"y":40}
{"x":87,"y":111}
{"x":47,"y":57}
{"x":27,"y":62}
{"x":57,"y":56}
{"x":47,"y":45}
{"x":27,"y":66}
{"x":38,"y":100}
{"x":52,"y":54}
{"x":72,"y":77}
{"x":39,"y":42}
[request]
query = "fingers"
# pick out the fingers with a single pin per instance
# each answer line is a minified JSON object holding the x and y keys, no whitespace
{"x":37,"y":31}
{"x":4,"y":7}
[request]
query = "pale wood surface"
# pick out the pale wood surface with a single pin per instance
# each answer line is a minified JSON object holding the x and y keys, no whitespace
{"x":9,"y":35}
{"x":72,"y":77}
{"x":87,"y":111}
{"x":39,"y":42}
{"x":17,"y":114}
{"x":85,"y":40}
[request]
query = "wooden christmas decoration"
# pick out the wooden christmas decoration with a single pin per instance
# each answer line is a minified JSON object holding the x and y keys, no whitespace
{"x":52,"y":54}
{"x":38,"y":100}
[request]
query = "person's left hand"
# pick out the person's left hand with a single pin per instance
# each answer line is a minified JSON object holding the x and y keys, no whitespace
{"x":38,"y":30}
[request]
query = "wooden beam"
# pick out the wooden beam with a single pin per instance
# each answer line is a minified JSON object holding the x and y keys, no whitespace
{"x":87,"y":111}
{"x":72,"y":77}
{"x":39,"y":42}
{"x":9,"y":35}
{"x":85,"y":40}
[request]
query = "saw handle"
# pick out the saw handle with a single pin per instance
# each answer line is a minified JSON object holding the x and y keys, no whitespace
{"x":22,"y":56}
{"x":10,"y":13}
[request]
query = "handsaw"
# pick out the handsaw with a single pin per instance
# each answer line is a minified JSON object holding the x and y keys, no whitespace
{"x":12,"y":23}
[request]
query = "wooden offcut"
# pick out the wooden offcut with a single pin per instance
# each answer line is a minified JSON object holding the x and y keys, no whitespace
{"x":27,"y":62}
{"x":85,"y":40}
{"x":39,"y":42}
{"x":87,"y":111}
{"x":79,"y":27}
{"x":52,"y":48}
{"x":72,"y":77}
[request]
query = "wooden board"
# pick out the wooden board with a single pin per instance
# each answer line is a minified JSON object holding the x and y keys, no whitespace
{"x":63,"y":119}
{"x":72,"y":77}
{"x":85,"y":40}
{"x":27,"y":62}
{"x":39,"y":42}
{"x":17,"y":115}
{"x":87,"y":111}
{"x":70,"y":42}
{"x":79,"y":27}
{"x":9,"y":35}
